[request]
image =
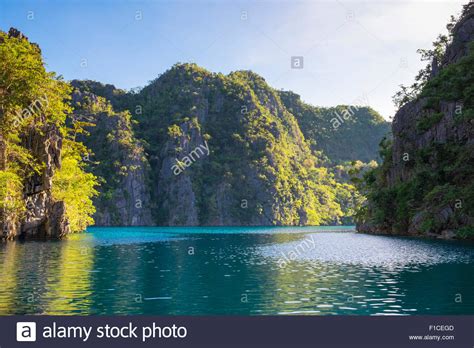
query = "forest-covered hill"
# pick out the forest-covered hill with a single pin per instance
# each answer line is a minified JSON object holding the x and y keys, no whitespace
{"x":191,"y":148}
{"x":258,"y":156}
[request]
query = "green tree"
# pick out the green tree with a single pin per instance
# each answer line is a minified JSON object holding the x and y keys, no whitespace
{"x":32,"y":101}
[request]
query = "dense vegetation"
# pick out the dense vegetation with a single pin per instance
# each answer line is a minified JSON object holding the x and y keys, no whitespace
{"x":431,"y":190}
{"x":34,"y":102}
{"x":258,"y":154}
{"x":265,"y":165}
{"x":272,"y":159}
{"x":73,"y":185}
{"x":116,"y":157}
{"x":354,"y":137}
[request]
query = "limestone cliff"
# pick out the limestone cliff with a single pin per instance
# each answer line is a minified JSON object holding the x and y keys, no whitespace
{"x":43,"y":217}
{"x":28,"y":209}
{"x":117,"y":157}
{"x":222,"y":150}
{"x":426,"y":183}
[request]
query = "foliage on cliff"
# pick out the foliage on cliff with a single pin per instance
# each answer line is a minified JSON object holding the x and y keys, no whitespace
{"x":73,"y":185}
{"x":271,"y":158}
{"x":258,"y":155}
{"x":33,"y":101}
{"x":426,"y":181}
{"x":117,"y":157}
{"x":344,"y":133}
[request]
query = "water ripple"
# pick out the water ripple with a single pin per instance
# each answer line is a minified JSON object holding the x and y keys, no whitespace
{"x":360,"y":249}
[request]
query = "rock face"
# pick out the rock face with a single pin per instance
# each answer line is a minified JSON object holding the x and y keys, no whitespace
{"x":43,"y":217}
{"x":231,"y":150}
{"x":220,"y":150}
{"x":180,"y":200}
{"x":425,"y":184}
{"x":118,"y":158}
{"x":344,"y":133}
{"x":204,"y":163}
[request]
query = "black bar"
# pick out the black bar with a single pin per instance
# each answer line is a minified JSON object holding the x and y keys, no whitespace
{"x":262,"y":331}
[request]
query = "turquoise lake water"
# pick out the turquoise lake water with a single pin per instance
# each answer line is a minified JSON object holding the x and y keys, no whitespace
{"x":237,"y":271}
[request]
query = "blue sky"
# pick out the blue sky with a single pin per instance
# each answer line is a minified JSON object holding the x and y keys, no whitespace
{"x":352,"y":50}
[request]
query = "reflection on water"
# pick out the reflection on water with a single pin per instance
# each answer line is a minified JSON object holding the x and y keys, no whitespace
{"x":235,"y":271}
